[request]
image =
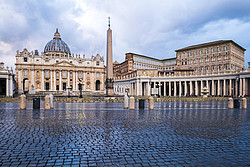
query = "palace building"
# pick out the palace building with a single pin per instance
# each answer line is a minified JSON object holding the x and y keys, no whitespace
{"x":57,"y":70}
{"x":217,"y":67}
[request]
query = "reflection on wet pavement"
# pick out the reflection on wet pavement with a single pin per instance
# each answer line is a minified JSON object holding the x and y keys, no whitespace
{"x":104,"y":134}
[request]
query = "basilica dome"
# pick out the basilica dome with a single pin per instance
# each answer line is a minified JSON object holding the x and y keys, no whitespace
{"x":57,"y":45}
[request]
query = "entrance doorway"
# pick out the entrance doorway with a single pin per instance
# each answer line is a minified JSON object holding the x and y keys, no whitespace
{"x":3,"y":86}
{"x":97,"y":85}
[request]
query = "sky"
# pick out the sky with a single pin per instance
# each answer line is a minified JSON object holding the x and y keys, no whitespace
{"x":154,"y":28}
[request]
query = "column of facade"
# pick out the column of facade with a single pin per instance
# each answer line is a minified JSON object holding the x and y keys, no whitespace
{"x":202,"y":86}
{"x":159,"y":88}
{"x":169,"y":88}
{"x":241,"y":86}
{"x":165,"y":88}
{"x":84,"y":81}
{"x":7,"y":85}
{"x":93,"y":81}
{"x":244,"y":87}
{"x":185,"y":86}
{"x":60,"y":80}
{"x":54,"y":80}
{"x":78,"y":82}
{"x":174,"y":88}
{"x":180,"y":88}
{"x":212,"y":87}
{"x":33,"y":78}
{"x":42,"y":84}
{"x":191,"y":87}
{"x":196,"y":88}
{"x":74,"y":81}
{"x":11,"y":85}
{"x":230,"y":87}
{"x":236,"y":88}
{"x":68,"y":80}
{"x":148,"y":88}
{"x":20,"y":88}
{"x":51,"y":80}
{"x":219,"y":91}
{"x":224,"y":87}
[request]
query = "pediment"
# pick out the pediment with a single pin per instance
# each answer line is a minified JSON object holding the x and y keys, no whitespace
{"x":64,"y":64}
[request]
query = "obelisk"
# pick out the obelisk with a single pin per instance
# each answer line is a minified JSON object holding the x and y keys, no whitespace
{"x":109,"y":65}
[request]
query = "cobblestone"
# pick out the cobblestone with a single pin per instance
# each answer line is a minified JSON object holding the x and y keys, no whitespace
{"x":104,"y":134}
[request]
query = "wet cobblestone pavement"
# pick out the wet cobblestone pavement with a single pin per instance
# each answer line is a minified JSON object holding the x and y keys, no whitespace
{"x":104,"y":134}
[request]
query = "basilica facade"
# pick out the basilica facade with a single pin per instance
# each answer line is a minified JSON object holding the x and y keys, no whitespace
{"x":56,"y":70}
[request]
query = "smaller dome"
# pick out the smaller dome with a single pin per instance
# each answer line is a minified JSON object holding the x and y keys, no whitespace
{"x":57,"y":45}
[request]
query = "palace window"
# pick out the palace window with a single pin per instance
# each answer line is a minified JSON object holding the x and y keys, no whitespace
{"x":97,"y":63}
{"x":25,"y":59}
{"x":190,"y":53}
{"x":47,"y":73}
{"x":80,"y":74}
{"x":226,"y":68}
{"x":207,"y":51}
{"x":219,"y":67}
{"x":201,"y":60}
{"x":213,"y":58}
{"x":225,"y":48}
{"x":57,"y":74}
{"x":97,"y":75}
{"x":219,"y":49}
{"x":201,"y":52}
{"x":64,"y":74}
{"x":212,"y":68}
{"x":195,"y":52}
{"x":212,"y":50}
{"x":25,"y":72}
{"x":70,"y":74}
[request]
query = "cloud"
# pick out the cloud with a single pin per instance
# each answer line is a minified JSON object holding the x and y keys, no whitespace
{"x":155,"y":27}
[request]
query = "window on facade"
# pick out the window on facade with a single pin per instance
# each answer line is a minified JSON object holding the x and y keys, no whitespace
{"x":25,"y":59}
{"x":70,"y":61}
{"x":64,"y":74}
{"x":190,"y":53}
{"x":226,"y":67}
{"x":25,"y":72}
{"x":200,"y":69}
{"x":206,"y":68}
{"x":225,"y":48}
{"x":212,"y":50}
{"x":201,"y":52}
{"x":219,"y":67}
{"x":70,"y":74}
{"x":201,"y":60}
{"x":47,"y":73}
{"x":195,"y":52}
{"x":195,"y":61}
{"x":97,"y":63}
{"x":207,"y":51}
{"x":212,"y":68}
{"x":57,"y":74}
{"x":80,"y":74}
{"x":219,"y":49}
{"x":213,"y":58}
{"x":190,"y":61}
{"x":97,"y":75}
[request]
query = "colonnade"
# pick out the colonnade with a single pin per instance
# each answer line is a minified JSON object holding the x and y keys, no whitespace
{"x":233,"y":86}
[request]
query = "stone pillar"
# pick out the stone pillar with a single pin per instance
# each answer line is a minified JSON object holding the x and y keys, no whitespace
{"x":174,"y":88}
{"x":185,"y":85}
{"x":219,"y":88}
{"x":180,"y":88}
{"x":11,"y":85}
{"x":42,"y":84}
{"x":20,"y":87}
{"x":202,"y":85}
{"x":131,"y":103}
{"x":151,"y":103}
{"x":212,"y":87}
{"x":159,"y":88}
{"x":51,"y":98}
{"x":125,"y":101}
{"x":230,"y":87}
{"x":244,"y":87}
{"x":224,"y":87}
{"x":241,"y":86}
{"x":78,"y":82}
{"x":22,"y":102}
{"x":60,"y":80}
{"x":230,"y":103}
{"x":169,"y":88}
{"x":244,"y":103}
{"x":46,"y":103}
{"x":196,"y":88}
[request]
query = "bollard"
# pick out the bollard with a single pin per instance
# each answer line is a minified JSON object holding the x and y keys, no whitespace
{"x":125,"y":101}
{"x":51,"y":97}
{"x":47,"y":103}
{"x":131,"y":103}
{"x":22,"y":102}
{"x":230,"y":103}
{"x":151,"y":103}
{"x":244,"y":103}
{"x":141,"y":103}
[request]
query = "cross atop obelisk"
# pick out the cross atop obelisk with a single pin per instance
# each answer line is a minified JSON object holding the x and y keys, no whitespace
{"x":109,"y":65}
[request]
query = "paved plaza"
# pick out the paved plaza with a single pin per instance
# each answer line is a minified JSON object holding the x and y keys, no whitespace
{"x":104,"y":134}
